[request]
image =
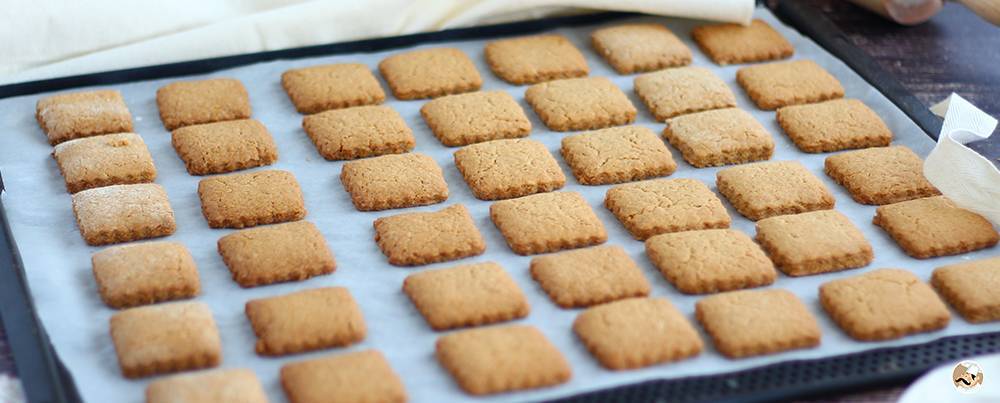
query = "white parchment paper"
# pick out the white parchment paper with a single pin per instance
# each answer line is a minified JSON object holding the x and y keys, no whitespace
{"x":58,"y":262}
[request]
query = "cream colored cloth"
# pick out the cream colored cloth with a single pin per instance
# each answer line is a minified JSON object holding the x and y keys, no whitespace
{"x":59,"y":38}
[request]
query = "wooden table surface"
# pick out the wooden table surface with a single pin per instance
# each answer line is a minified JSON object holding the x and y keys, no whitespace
{"x":954,"y":52}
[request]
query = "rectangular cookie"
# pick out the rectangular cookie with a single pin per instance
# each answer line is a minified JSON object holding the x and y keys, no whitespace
{"x":292,"y":251}
{"x":719,"y":137}
{"x":636,"y":333}
{"x":74,"y":115}
{"x":412,"y":239}
{"x":185,"y":103}
{"x":590,"y":276}
{"x":547,"y":222}
{"x":757,"y":322}
{"x":666,"y":205}
{"x":331,"y":86}
{"x":109,"y":159}
{"x":504,"y":169}
{"x":394,"y":181}
{"x":735,"y":43}
{"x":306,"y":320}
{"x":682,"y":90}
{"x":775,"y":85}
{"x":814,"y":242}
{"x":463,"y":119}
{"x":617,"y":154}
{"x":935,"y":226}
{"x":215,"y":148}
{"x":145,"y":273}
{"x":249,"y":199}
{"x":430,"y":73}
{"x":970,"y":287}
{"x":710,"y":261}
{"x":882,"y":175}
{"x":359,"y":132}
{"x":123,"y":213}
{"x":533,"y":59}
{"x":467,"y":295}
{"x":580,"y":104}
{"x":767,"y":189}
{"x":635,"y":48}
{"x":363,"y":376}
{"x":219,"y":385}
{"x":840,"y":124}
{"x":165,"y":338}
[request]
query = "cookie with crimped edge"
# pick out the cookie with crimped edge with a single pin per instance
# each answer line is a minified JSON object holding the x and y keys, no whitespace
{"x":145,"y":273}
{"x":840,"y":124}
{"x":466,"y":295}
{"x":501,"y":359}
{"x":363,"y":376}
{"x":757,"y":322}
{"x":331,"y":86}
{"x":412,"y":239}
{"x":881,"y":175}
{"x":185,"y":103}
{"x":710,"y":261}
{"x":533,"y":59}
{"x":589,"y":276}
{"x":634,"y":48}
{"x":767,"y":189}
{"x":213,"y":386}
{"x":719,"y":137}
{"x":123,"y":213}
{"x":682,"y":90}
{"x":74,"y":115}
{"x":636,"y":333}
{"x":249,"y":199}
{"x":306,"y":320}
{"x":580,"y":104}
{"x":735,"y":43}
{"x":775,"y":85}
{"x":970,"y":287}
{"x":935,"y":226}
{"x":163,"y":338}
{"x":220,"y":147}
{"x":359,"y":132}
{"x":883,"y":304}
{"x":463,"y":119}
{"x":814,"y":242}
{"x":108,"y":159}
{"x":617,"y":154}
{"x":504,"y":169}
{"x":394,"y":181}
{"x":547,"y":222}
{"x":430,"y":73}
{"x":292,"y":251}
{"x":657,"y":206}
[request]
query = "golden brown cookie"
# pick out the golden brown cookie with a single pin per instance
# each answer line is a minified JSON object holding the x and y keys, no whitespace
{"x":249,"y":199}
{"x":109,"y":159}
{"x":719,"y":137}
{"x":145,"y":273}
{"x":835,"y":125}
{"x":215,"y":148}
{"x":363,"y":376}
{"x":634,"y":48}
{"x":636,"y":333}
{"x":185,"y":103}
{"x":306,"y":320}
{"x":883,"y":304}
{"x":364,"y":131}
{"x":709,"y":261}
{"x":757,"y":322}
{"x":767,"y":189}
{"x":82,"y":114}
{"x":617,"y":154}
{"x":429,"y":73}
{"x":774,"y":85}
{"x":292,"y":251}
{"x":394,"y":181}
{"x":123,"y":213}
{"x":580,"y":104}
{"x":935,"y":226}
{"x":467,"y":295}
{"x":214,"y":386}
{"x":331,"y":86}
{"x":734,"y":43}
{"x":970,"y":288}
{"x":678,"y":91}
{"x":503,"y":169}
{"x":533,"y":59}
{"x":164,"y":338}
{"x":589,"y":276}
{"x":547,"y":222}
{"x":814,"y":242}
{"x":666,"y":205}
{"x":501,"y":359}
{"x":412,"y":239}
{"x":881,"y":175}
{"x":463,"y":119}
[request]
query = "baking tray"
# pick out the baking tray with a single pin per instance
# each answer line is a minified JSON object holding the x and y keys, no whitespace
{"x":46,"y":380}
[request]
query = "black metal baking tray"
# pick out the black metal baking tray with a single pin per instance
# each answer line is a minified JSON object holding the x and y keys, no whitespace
{"x":45,"y":379}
